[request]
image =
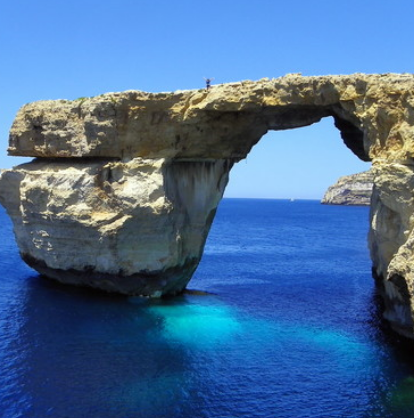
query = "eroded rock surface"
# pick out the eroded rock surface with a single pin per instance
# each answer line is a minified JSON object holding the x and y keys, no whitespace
{"x":125,"y":185}
{"x":135,"y":227}
{"x":351,"y":190}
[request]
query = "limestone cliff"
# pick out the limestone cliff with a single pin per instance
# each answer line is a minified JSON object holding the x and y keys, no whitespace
{"x":125,"y":185}
{"x":135,"y":227}
{"x":352,"y":190}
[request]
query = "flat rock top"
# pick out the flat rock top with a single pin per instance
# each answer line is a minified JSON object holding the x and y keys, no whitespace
{"x":222,"y":122}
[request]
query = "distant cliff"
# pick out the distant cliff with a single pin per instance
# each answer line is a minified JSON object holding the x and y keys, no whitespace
{"x":355,"y":189}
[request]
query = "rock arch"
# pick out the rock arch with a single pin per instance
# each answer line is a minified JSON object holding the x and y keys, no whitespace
{"x":125,"y":186}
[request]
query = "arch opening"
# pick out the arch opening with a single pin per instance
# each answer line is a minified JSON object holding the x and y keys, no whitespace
{"x":290,"y":117}
{"x":299,"y":162}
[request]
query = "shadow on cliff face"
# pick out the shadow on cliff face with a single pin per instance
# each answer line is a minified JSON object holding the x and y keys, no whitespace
{"x":401,"y":347}
{"x":399,"y":396}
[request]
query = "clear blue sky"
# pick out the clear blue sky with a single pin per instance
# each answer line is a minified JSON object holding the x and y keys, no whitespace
{"x":55,"y":49}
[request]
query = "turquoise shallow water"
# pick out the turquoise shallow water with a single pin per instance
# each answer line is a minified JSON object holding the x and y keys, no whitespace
{"x":289,"y":327}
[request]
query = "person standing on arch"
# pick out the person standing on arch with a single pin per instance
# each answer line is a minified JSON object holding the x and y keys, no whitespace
{"x":208,"y":82}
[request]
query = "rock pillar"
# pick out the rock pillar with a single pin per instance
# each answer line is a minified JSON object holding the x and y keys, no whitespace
{"x":136,"y":227}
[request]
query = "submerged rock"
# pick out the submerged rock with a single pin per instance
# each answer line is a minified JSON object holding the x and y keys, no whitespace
{"x":125,"y":185}
{"x":355,"y":189}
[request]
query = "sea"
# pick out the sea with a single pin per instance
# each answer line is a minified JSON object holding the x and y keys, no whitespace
{"x":281,"y":320}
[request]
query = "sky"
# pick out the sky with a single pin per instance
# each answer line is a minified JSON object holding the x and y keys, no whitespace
{"x":56,"y":49}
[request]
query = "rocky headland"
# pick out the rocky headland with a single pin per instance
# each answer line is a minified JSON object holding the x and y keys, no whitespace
{"x":125,"y":186}
{"x":351,"y":190}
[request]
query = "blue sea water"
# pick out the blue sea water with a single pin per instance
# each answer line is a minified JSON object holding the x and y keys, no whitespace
{"x":289,"y":327}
